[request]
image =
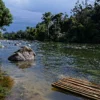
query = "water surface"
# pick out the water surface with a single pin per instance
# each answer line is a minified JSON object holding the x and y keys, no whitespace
{"x":32,"y":80}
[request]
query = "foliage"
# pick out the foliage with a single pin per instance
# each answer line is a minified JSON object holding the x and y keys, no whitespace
{"x":83,"y":26}
{"x":5,"y":17}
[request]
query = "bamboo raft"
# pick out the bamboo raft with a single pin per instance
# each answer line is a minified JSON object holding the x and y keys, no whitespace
{"x":78,"y":86}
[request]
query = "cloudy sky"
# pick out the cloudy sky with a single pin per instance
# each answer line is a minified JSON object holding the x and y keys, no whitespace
{"x":29,"y":12}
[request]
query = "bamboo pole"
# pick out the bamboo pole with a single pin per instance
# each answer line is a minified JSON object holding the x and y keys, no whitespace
{"x":81,"y":87}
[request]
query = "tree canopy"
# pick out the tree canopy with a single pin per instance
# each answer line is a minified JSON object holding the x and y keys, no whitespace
{"x":83,"y":26}
{"x":5,"y":15}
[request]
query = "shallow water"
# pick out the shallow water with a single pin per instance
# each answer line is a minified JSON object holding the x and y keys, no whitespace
{"x":32,"y":80}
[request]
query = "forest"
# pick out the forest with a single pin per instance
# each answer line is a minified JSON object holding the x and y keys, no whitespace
{"x":82,"y":26}
{"x":66,"y":46}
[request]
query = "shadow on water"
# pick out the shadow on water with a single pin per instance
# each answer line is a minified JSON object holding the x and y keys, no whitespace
{"x":73,"y":95}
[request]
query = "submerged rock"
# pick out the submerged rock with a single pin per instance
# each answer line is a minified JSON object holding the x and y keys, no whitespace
{"x":23,"y":54}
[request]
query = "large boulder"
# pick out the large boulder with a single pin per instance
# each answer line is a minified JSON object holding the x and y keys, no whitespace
{"x":23,"y":54}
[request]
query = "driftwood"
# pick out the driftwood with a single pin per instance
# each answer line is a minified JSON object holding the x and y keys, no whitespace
{"x":79,"y":86}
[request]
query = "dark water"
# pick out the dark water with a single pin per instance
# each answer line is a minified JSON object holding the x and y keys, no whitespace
{"x":32,"y":80}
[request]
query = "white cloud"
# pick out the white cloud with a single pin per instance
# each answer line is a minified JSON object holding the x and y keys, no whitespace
{"x":25,"y":16}
{"x":42,"y":5}
{"x":17,"y":3}
{"x":30,"y":11}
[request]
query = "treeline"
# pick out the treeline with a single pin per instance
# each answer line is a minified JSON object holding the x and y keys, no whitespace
{"x":83,"y":26}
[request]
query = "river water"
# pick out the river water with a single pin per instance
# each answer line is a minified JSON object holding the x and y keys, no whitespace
{"x":53,"y":61}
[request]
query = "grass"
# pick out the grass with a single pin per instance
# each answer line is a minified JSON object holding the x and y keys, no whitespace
{"x":6,"y":83}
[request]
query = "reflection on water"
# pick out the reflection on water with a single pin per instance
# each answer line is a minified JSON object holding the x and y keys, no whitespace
{"x":25,"y":64}
{"x":53,"y":61}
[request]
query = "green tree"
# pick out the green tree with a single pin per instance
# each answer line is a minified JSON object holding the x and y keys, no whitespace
{"x":5,"y":15}
{"x":40,"y":32}
{"x":47,"y":19}
{"x":30,"y":32}
{"x":83,"y":26}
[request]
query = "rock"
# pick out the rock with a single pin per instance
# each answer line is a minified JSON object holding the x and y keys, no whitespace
{"x":17,"y":44}
{"x":23,"y":54}
{"x":29,"y":45}
{"x":1,"y":46}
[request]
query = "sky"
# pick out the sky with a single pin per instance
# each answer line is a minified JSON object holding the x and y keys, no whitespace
{"x":29,"y":12}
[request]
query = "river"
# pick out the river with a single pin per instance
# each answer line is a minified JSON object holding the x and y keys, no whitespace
{"x":53,"y":61}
